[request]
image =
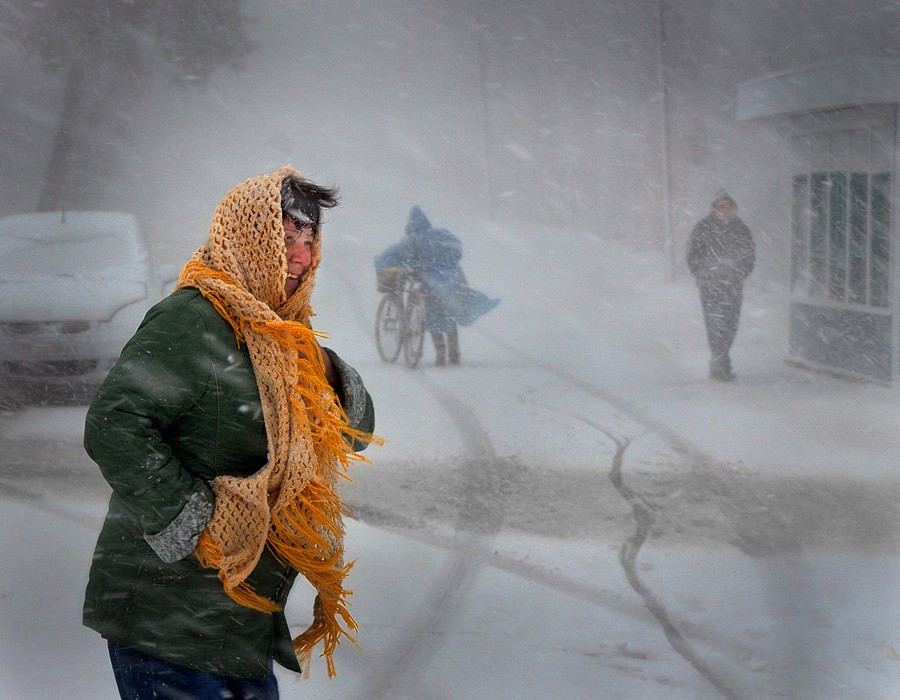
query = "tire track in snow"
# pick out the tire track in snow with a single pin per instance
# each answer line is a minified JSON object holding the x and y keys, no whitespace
{"x":677,"y":443}
{"x":585,"y":592}
{"x":643,"y":512}
{"x":644,"y":517}
{"x":470,"y":553}
{"x":476,"y":525}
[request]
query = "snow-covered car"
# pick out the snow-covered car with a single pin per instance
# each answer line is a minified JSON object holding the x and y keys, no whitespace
{"x":73,"y":288}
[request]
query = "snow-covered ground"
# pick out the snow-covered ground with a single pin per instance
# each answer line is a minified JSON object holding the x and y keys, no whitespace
{"x":576,"y":511}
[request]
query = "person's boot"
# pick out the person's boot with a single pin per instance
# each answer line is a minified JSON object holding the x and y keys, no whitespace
{"x":440,"y":349}
{"x":453,"y":346}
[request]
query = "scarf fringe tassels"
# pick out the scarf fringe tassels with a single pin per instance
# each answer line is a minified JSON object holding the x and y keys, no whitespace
{"x":305,"y":528}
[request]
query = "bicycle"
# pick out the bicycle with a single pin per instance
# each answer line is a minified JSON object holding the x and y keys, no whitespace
{"x":400,"y":321}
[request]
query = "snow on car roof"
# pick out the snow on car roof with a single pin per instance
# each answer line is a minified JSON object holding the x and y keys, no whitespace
{"x":82,"y":243}
{"x":70,"y":225}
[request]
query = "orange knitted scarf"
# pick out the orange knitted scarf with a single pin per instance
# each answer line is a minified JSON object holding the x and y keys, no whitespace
{"x":291,"y":505}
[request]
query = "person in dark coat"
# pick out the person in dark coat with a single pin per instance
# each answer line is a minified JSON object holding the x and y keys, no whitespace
{"x":721,"y":254}
{"x":434,"y":254}
{"x":222,"y":417}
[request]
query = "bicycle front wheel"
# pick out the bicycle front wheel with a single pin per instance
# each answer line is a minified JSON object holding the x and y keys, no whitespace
{"x":414,"y":330}
{"x":389,"y":327}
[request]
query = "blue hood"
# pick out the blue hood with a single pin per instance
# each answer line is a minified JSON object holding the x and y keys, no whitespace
{"x":418,"y":222}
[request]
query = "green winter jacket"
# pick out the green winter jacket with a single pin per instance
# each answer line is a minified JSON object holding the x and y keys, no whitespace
{"x":181,"y":407}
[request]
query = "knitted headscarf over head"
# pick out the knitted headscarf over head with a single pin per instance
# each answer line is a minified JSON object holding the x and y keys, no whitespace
{"x":291,"y":505}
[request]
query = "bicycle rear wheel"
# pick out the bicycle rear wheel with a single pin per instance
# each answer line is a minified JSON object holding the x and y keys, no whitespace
{"x":389,"y":327}
{"x":414,"y":330}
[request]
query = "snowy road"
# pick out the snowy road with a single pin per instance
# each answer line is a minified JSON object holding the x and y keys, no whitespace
{"x":489,"y":535}
{"x":707,"y":510}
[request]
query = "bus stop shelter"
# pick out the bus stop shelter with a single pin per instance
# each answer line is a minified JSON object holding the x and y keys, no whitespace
{"x":843,"y":122}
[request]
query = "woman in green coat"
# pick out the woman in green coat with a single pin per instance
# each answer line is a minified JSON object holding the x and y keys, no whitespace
{"x":222,"y":430}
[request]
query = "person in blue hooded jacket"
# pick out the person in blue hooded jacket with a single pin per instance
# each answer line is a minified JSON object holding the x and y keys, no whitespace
{"x":434,"y":254}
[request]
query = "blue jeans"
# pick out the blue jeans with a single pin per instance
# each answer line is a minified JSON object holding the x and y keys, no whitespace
{"x":144,"y":677}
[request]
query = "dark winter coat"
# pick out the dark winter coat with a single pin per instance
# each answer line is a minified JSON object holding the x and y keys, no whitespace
{"x":721,"y":253}
{"x":181,"y":407}
{"x":434,"y":255}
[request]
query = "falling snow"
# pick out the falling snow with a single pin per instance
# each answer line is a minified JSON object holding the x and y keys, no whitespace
{"x":576,"y":511}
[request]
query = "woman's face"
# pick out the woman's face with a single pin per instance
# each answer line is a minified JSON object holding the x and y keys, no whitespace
{"x":298,"y":242}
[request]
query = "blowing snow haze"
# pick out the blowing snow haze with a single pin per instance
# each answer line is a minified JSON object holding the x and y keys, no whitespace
{"x":650,"y":532}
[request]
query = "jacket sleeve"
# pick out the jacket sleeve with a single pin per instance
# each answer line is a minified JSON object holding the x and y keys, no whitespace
{"x":747,"y":255}
{"x":354,"y":398}
{"x":162,"y":370}
{"x":695,"y":254}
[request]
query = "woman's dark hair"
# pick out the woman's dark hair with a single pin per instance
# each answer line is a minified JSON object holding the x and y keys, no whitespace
{"x":304,"y":200}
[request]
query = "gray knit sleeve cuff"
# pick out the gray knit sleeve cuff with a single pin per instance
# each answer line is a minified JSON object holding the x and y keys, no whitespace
{"x":179,"y":538}
{"x":353,"y":389}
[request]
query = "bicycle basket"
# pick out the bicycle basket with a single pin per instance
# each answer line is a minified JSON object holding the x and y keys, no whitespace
{"x":388,"y":278}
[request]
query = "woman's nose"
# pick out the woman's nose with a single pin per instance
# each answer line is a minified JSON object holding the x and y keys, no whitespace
{"x":301,"y":254}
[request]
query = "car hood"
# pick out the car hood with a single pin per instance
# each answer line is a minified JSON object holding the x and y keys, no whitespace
{"x":66,"y":297}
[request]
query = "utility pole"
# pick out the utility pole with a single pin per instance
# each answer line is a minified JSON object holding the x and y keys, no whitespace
{"x":666,"y":174}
